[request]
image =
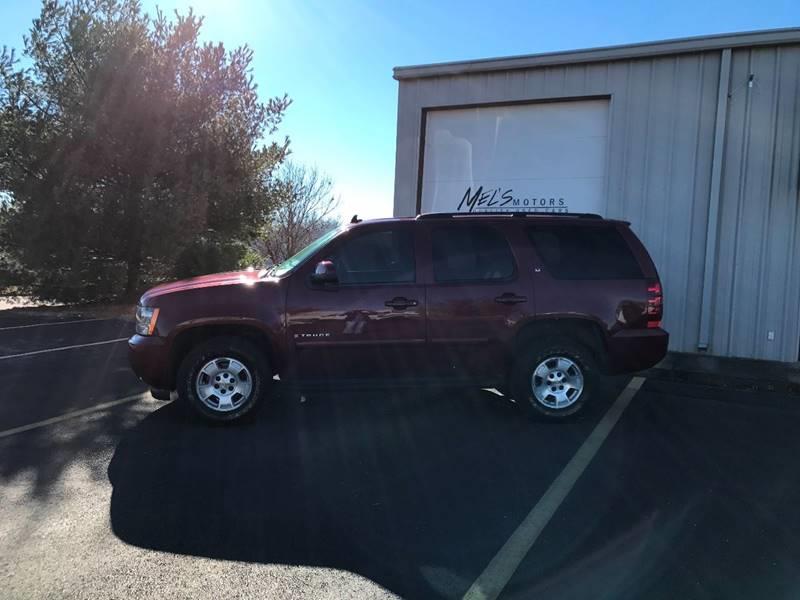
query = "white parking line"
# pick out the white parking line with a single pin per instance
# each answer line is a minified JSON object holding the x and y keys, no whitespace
{"x":72,"y":415}
{"x":499,"y":571}
{"x":54,"y":323}
{"x":62,"y":348}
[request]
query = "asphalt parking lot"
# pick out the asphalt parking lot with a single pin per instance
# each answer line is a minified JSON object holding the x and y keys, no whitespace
{"x":417,"y":494}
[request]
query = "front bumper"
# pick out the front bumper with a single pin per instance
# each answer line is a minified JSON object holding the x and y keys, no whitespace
{"x":149,"y":358}
{"x":636,"y":349}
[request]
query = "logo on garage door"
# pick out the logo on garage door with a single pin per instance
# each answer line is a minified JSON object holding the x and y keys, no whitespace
{"x":496,"y":199}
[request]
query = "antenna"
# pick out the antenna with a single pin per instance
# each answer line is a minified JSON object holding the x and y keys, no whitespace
{"x":355,"y":219}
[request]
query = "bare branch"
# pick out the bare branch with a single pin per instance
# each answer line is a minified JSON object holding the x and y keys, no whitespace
{"x":304,"y":208}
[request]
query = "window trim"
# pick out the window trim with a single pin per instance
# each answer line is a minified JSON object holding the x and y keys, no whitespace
{"x":514,"y":262}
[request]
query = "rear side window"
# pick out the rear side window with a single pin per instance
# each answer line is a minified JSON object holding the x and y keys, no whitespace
{"x":376,"y":257}
{"x":584,"y":252}
{"x":470,"y":253}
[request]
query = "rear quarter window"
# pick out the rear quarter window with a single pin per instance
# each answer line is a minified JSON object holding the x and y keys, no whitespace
{"x":570,"y":252}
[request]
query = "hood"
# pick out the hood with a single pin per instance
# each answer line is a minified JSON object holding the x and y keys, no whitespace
{"x":203,"y":281}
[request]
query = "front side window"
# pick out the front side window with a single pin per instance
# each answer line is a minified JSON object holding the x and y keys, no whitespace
{"x":376,"y":257}
{"x":470,"y":253}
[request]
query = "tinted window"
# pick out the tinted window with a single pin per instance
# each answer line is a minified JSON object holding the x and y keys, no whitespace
{"x":584,"y":252}
{"x":474,"y":253}
{"x":376,"y":257}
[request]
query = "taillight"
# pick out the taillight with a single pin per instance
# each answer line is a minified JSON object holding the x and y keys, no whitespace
{"x":655,"y":305}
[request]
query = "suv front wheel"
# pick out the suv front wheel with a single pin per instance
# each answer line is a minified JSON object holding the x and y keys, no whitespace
{"x":553,"y":378}
{"x":223,"y":378}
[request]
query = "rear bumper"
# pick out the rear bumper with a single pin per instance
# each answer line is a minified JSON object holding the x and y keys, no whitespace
{"x":636,"y":349}
{"x":149,"y":358}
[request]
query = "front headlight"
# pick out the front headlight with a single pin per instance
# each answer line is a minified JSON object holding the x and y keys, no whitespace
{"x":146,"y":317}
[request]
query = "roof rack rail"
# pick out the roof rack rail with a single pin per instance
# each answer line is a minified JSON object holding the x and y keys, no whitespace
{"x":425,"y":216}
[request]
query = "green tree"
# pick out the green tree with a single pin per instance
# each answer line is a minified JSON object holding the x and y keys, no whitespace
{"x":123,"y":141}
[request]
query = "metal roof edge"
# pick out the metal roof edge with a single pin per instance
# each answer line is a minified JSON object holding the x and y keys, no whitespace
{"x":767,"y":37}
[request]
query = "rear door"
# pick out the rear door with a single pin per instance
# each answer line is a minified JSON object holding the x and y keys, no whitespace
{"x":371,"y":324}
{"x":478,"y":291}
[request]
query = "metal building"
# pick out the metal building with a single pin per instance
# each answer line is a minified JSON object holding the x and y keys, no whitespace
{"x":695,"y":141}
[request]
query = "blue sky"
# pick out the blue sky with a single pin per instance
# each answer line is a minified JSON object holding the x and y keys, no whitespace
{"x":335,"y":58}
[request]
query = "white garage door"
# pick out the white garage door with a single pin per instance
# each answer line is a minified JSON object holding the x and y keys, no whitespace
{"x":544,"y":157}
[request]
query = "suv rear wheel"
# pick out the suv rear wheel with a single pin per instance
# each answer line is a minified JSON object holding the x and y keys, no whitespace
{"x":223,"y":378}
{"x":553,"y":378}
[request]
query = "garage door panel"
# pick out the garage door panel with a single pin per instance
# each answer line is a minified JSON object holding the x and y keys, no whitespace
{"x":529,"y":157}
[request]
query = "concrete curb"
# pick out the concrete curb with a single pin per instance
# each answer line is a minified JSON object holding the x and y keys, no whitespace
{"x":738,"y":374}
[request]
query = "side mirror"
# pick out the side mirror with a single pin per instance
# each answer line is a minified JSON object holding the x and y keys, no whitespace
{"x":324,"y":273}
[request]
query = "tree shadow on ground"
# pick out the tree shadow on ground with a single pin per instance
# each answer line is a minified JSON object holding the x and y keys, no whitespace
{"x":47,"y":452}
{"x":415,"y":491}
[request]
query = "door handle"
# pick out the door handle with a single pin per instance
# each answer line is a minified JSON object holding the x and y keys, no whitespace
{"x":400,"y":303}
{"x":510,"y":298}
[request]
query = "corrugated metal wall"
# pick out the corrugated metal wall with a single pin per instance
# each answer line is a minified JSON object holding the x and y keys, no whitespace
{"x":659,"y":175}
{"x":757,"y":288}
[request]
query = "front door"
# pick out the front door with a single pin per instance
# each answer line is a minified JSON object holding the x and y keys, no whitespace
{"x":370,"y":324}
{"x":477,"y":295}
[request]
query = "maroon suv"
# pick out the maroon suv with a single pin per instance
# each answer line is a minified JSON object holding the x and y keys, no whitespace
{"x":537,"y":306}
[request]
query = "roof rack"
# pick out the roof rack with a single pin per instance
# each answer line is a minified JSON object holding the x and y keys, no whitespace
{"x":426,"y":216}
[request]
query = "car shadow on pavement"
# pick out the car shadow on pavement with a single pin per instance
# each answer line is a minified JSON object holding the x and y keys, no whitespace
{"x":415,"y":491}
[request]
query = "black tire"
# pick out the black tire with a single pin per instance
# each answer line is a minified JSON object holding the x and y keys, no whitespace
{"x":240,"y":350}
{"x":535,"y":354}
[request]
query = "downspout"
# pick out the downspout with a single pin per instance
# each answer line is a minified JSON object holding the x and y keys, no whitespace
{"x":712,"y":227}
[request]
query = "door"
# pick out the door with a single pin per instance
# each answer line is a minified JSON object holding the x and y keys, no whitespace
{"x":476,"y":297}
{"x":370,"y":324}
{"x":538,"y":156}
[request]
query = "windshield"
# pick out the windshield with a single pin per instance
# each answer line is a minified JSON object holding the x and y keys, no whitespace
{"x":293,"y":261}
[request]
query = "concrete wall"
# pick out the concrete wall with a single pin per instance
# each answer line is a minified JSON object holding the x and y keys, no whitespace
{"x":661,"y":149}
